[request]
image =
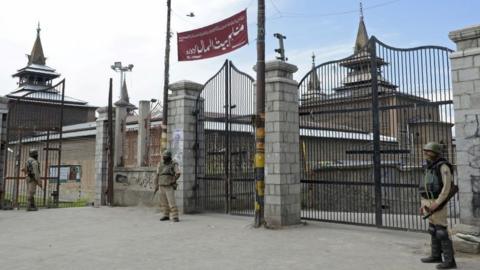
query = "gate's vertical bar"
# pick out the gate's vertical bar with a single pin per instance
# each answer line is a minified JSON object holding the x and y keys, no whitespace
{"x":3,"y":186}
{"x":260,"y":119}
{"x":60,"y":144}
{"x":226,"y":159}
{"x":110,"y":145}
{"x":377,"y":170}
{"x":196,"y":149}
{"x":47,"y":148}
{"x":18,"y":159}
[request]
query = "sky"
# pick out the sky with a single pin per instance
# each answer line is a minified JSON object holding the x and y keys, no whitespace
{"x":82,"y":39}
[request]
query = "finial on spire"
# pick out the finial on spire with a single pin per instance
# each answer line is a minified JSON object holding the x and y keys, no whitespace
{"x":313,"y":58}
{"x":361,"y":10}
{"x":38,"y":28}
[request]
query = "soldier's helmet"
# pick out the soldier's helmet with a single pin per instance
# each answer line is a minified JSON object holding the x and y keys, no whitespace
{"x":167,"y":153}
{"x":33,"y":152}
{"x":434,"y":147}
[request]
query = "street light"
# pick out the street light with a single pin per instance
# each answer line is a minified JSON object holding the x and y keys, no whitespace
{"x":117,"y":67}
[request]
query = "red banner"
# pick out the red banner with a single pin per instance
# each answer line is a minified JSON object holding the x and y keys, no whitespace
{"x":213,"y":40}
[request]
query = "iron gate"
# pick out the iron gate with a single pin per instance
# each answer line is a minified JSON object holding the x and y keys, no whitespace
{"x":225,"y":143}
{"x":363,"y":122}
{"x":34,"y":122}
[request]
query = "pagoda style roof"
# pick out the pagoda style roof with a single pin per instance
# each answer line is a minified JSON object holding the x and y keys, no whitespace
{"x":41,"y":91}
{"x":37,"y":69}
{"x":45,"y":96}
{"x":37,"y":62}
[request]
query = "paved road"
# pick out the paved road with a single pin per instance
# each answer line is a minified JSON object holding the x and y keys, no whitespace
{"x":133,"y":238}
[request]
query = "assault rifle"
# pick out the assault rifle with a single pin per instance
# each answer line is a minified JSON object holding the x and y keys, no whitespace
{"x":153,"y":196}
{"x":453,"y":191}
{"x":32,"y":176}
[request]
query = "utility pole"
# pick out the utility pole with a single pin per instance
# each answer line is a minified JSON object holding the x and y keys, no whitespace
{"x":260,"y":120}
{"x":110,"y":146}
{"x":163,"y":142}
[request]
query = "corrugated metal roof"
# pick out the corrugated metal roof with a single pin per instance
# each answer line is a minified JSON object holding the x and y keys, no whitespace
{"x":49,"y":96}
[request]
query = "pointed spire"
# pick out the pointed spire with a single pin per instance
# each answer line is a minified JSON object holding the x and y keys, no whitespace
{"x":124,"y":100}
{"x":313,"y":60}
{"x":124,"y":94}
{"x":362,"y":36}
{"x":37,"y":56}
{"x":361,"y":10}
{"x":314,"y":82}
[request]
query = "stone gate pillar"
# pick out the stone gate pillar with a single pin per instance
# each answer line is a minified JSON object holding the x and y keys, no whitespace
{"x":143,"y":132}
{"x":282,"y":157}
{"x":182,"y":127}
{"x":101,"y":157}
{"x":120,"y":129}
{"x":466,"y":93}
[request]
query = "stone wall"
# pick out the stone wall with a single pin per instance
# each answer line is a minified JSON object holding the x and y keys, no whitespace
{"x":81,"y":152}
{"x":135,"y":186}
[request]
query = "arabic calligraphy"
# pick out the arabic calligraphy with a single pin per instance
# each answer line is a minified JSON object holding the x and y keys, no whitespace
{"x":215,"y":44}
{"x":213,"y":40}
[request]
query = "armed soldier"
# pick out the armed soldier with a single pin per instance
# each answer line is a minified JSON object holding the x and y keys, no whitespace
{"x":166,"y":181}
{"x":32,"y":170}
{"x":434,"y":190}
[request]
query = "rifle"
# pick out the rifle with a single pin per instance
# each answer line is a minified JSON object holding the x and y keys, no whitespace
{"x":32,"y":176}
{"x":38,"y":183}
{"x":453,"y":191}
{"x":153,"y":196}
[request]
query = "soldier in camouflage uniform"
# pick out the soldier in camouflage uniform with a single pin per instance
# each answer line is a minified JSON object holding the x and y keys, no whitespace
{"x":166,"y":182}
{"x":434,"y":189}
{"x":32,"y":170}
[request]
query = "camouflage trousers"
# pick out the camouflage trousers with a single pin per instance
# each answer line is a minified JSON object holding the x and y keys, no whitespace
{"x":167,"y":202}
{"x":439,"y":217}
{"x":31,"y":190}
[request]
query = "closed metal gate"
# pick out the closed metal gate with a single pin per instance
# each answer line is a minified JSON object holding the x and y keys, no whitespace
{"x":34,"y":122}
{"x":364,"y":120}
{"x":225,"y":143}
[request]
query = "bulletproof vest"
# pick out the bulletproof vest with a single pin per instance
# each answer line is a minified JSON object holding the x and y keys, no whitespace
{"x":166,"y":174}
{"x":33,"y":169}
{"x":432,"y":183}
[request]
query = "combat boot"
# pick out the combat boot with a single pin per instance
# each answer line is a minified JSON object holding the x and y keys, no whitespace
{"x":447,"y":249}
{"x":164,"y":218}
{"x":175,"y":219}
{"x":31,"y":205}
{"x":448,"y":257}
{"x":436,"y":255}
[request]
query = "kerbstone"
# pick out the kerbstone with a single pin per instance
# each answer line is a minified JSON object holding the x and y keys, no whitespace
{"x":465,"y":246}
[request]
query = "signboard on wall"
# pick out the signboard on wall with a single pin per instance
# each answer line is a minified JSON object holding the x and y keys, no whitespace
{"x":67,"y":172}
{"x":177,"y":144}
